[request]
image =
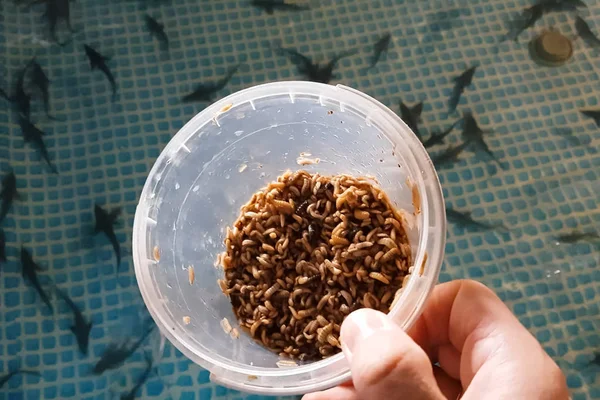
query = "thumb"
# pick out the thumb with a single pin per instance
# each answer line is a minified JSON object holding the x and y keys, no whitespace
{"x":385,"y":362}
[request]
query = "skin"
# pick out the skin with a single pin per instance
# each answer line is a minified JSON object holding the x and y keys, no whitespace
{"x":482,"y":350}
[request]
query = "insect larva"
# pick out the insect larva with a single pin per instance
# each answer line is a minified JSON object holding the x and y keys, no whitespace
{"x":156,"y":253}
{"x":191,"y":275}
{"x":323,"y":333}
{"x":361,"y":214}
{"x":379,"y":277}
{"x":387,"y":242}
{"x":270,"y":291}
{"x":333,"y":341}
{"x":286,"y":364}
{"x":321,"y":320}
{"x":255,"y":326}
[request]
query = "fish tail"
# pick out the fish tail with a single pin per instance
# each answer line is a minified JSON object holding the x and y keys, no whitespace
{"x":111,"y":79}
{"x":115,"y":244}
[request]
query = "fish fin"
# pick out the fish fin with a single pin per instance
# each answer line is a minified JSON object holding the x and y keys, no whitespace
{"x":417,"y":109}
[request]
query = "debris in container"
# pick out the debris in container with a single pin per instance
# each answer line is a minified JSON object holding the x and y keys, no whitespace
{"x":235,"y":334}
{"x":187,"y":320}
{"x":226,"y":325}
{"x":191,"y":275}
{"x":305,"y":252}
{"x":156,"y":253}
{"x":242,"y":168}
{"x":252,"y":377}
{"x":302,"y":160}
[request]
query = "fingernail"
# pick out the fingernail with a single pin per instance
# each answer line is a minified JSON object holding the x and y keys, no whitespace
{"x":360,"y":325}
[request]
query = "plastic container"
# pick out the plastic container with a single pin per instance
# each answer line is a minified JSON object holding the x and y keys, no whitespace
{"x":216,"y":162}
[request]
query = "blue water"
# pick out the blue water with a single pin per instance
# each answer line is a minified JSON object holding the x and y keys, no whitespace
{"x":104,"y":150}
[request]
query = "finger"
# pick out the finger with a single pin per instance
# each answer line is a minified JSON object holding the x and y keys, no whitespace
{"x":384,"y":360}
{"x":472,"y":319}
{"x":337,"y":393}
{"x":449,"y":359}
{"x":451,"y":388}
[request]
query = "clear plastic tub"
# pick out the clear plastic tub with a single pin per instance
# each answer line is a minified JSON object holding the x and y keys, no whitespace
{"x":216,"y":162}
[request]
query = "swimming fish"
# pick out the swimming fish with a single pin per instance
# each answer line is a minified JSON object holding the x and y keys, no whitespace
{"x":8,"y":193}
{"x":269,"y":6}
{"x":105,"y":222}
{"x":39,"y":79}
{"x":29,"y":272}
{"x":448,"y":156}
{"x":380,"y":49}
{"x":463,"y":218}
{"x":526,"y":20}
{"x":81,"y":328}
{"x":35,"y":136}
{"x":585,"y":32}
{"x":117,"y":352}
{"x":460,"y":83}
{"x":8,"y":376}
{"x":594,"y":114}
{"x":157,"y":30}
{"x":315,"y":72}
{"x":411,"y":116}
{"x":98,"y":61}
{"x":473,"y":135}
{"x":20,"y":99}
{"x":576,"y":236}
{"x":2,"y":246}
{"x":206,"y":92}
{"x":141,"y":380}
{"x":438,"y":138}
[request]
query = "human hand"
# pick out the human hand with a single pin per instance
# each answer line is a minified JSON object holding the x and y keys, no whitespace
{"x":482,"y":350}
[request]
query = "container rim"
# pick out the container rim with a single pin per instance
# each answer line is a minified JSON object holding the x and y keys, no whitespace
{"x":430,"y":247}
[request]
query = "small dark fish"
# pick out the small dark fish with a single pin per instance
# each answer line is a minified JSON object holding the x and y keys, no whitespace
{"x":460,"y":83}
{"x":438,"y":138}
{"x":8,"y":193}
{"x":411,"y":116}
{"x":81,"y":328}
{"x":450,"y":155}
{"x":575,"y":237}
{"x":105,"y":222}
{"x":116,"y":353}
{"x":573,"y":139}
{"x":98,"y":61}
{"x":39,"y":79}
{"x":463,"y":218}
{"x":550,"y":6}
{"x":594,"y":114}
{"x":157,"y":30}
{"x":35,"y":136}
{"x":2,"y":246}
{"x":141,"y":380}
{"x":29,"y":271}
{"x":8,"y":376}
{"x":585,"y":32}
{"x":56,"y":10}
{"x":380,"y":49}
{"x":206,"y":92}
{"x":473,"y":135}
{"x":20,"y":99}
{"x":270,"y":6}
{"x":526,"y":20}
{"x":314,"y":72}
